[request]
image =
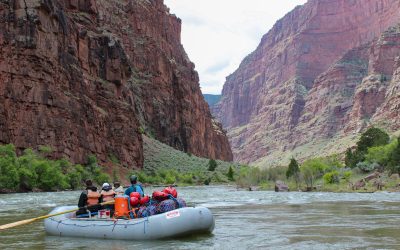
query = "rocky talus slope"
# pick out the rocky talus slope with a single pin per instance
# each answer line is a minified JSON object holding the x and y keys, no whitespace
{"x":89,"y":76}
{"x":325,"y":72}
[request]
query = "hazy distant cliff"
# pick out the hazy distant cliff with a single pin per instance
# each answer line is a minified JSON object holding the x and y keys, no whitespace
{"x":320,"y":75}
{"x":89,"y":76}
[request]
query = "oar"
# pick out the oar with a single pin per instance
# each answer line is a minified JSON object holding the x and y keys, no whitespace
{"x":23,"y":222}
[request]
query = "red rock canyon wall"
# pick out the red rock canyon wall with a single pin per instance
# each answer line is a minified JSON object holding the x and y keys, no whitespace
{"x":88,"y":76}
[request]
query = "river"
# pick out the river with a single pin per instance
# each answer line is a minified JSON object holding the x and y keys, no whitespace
{"x":244,"y":220}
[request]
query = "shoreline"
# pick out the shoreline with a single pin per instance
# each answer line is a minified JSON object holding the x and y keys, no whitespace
{"x":253,"y":189}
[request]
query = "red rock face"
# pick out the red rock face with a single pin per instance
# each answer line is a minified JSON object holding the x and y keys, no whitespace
{"x":304,"y":75}
{"x":85,"y":76}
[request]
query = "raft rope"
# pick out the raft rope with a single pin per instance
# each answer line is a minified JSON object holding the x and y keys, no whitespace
{"x":94,"y":225}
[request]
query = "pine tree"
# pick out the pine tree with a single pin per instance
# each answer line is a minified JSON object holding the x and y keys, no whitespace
{"x":294,"y":171}
{"x":230,"y":174}
{"x":293,"y":168}
{"x":349,"y":160}
{"x":371,"y":138}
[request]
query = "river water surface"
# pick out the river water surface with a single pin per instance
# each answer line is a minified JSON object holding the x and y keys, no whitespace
{"x":244,"y":220}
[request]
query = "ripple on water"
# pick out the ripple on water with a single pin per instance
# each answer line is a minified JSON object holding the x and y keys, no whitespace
{"x":244,"y":220}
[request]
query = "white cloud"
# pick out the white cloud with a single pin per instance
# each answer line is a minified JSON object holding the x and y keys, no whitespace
{"x":218,"y":34}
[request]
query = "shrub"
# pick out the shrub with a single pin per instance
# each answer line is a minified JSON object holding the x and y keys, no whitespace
{"x":230,"y":174}
{"x":49,"y":176}
{"x":212,"y":165}
{"x":45,"y":150}
{"x":347,"y":175}
{"x":331,"y":177}
{"x":367,"y":167}
{"x":170,"y":178}
{"x":74,"y":179}
{"x":186,"y":178}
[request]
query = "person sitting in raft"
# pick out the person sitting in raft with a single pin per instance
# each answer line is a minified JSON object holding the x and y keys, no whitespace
{"x":134,"y":187}
{"x":107,"y":194}
{"x":118,"y":189}
{"x":89,"y":197}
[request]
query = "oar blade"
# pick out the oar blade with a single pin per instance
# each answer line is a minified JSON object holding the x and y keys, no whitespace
{"x":18,"y":223}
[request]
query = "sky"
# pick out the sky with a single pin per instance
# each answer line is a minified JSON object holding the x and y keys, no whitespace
{"x":218,"y":34}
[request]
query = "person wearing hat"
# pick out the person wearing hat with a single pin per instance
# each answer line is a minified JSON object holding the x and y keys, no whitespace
{"x":118,"y":189}
{"x":89,"y":197}
{"x":135,"y":187}
{"x":107,"y":194}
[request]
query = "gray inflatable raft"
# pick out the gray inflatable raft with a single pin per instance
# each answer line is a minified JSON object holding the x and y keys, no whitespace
{"x":179,"y":222}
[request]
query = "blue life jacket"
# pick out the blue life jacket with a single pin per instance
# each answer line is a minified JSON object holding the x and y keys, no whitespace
{"x":135,"y":188}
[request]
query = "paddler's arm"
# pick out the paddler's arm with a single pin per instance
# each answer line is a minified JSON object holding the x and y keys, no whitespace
{"x":82,"y":200}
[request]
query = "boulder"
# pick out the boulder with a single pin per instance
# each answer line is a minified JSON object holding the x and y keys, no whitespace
{"x":280,"y":186}
{"x":372,"y":176}
{"x":359,"y":184}
{"x":379,"y":184}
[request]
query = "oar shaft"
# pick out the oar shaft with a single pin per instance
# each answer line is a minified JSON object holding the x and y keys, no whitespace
{"x":23,"y":222}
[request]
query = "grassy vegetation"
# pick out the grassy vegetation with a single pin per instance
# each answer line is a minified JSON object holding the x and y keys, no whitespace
{"x":374,"y":152}
{"x":166,"y":165}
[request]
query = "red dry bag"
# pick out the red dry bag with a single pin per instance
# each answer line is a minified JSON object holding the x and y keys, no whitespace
{"x":172,"y":191}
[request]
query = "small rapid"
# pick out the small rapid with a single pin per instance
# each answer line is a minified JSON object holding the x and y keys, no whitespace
{"x":244,"y":220}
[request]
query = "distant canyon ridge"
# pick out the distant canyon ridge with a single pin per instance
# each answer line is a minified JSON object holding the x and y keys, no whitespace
{"x":91,"y":76}
{"x":323,"y":74}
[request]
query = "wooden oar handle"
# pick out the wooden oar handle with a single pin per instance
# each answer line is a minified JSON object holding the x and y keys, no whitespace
{"x":23,"y":222}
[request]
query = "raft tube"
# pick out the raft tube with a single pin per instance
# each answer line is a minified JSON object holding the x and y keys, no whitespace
{"x":176,"y":223}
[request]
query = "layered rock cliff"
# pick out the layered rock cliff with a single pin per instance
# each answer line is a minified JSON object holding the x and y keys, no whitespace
{"x":318,"y":76}
{"x":89,"y":76}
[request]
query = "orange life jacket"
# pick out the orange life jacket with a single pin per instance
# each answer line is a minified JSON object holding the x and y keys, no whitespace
{"x":107,"y":195}
{"x":93,"y":198}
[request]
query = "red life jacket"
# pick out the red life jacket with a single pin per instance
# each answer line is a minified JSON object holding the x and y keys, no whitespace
{"x":93,"y":198}
{"x":108,"y":195}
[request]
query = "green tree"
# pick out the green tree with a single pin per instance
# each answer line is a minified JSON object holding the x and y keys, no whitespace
{"x":371,"y":138}
{"x":394,"y":162}
{"x":74,"y":177}
{"x":293,"y":168}
{"x":101,"y":178}
{"x":293,"y":171}
{"x":353,"y":158}
{"x":212,"y":165}
{"x":313,"y":169}
{"x":230,"y":174}
{"x":8,"y":168}
{"x":381,"y":154}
